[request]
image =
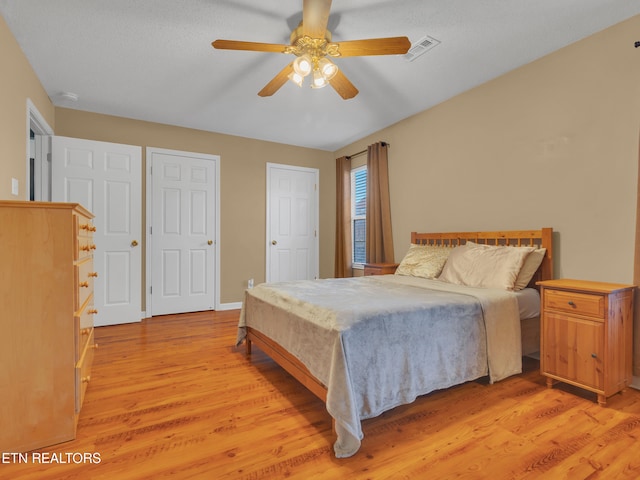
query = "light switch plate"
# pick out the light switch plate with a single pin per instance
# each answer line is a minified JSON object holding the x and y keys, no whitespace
{"x":14,"y":186}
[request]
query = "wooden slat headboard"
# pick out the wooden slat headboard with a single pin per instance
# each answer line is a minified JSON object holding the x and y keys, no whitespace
{"x":542,"y":238}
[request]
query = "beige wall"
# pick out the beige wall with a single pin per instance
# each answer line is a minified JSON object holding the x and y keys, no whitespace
{"x":18,"y":82}
{"x":242,"y":183}
{"x":552,"y":144}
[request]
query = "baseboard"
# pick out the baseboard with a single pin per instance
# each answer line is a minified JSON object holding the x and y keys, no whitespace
{"x":229,"y":306}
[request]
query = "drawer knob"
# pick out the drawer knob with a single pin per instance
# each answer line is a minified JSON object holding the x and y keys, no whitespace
{"x":85,"y":331}
{"x":92,"y":274}
{"x":86,"y":379}
{"x":593,"y":355}
{"x":92,"y":311}
{"x":84,"y":284}
{"x":571,"y":303}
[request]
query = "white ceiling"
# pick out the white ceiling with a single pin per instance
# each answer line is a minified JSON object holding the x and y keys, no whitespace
{"x":152,"y":59}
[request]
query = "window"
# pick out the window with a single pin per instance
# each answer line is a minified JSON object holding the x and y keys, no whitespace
{"x":358,"y":214}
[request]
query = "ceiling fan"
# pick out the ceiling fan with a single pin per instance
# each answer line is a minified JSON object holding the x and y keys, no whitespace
{"x":311,"y":44}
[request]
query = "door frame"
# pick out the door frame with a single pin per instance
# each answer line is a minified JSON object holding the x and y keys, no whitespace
{"x":149,"y":151}
{"x":37,"y":123}
{"x":316,"y":172}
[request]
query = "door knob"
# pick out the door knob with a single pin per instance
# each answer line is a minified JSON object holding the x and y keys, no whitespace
{"x":134,"y":243}
{"x":209,"y":242}
{"x":274,"y":242}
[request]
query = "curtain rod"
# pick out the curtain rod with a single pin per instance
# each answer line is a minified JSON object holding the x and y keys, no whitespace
{"x":365,"y":151}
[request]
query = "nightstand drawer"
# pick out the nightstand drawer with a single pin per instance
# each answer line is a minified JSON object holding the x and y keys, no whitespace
{"x":380,"y":268}
{"x":591,"y":305}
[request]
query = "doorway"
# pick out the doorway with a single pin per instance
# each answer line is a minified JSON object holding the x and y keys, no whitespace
{"x":38,"y":155}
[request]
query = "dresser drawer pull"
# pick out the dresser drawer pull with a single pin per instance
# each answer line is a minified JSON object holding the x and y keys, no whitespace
{"x":85,"y":331}
{"x":95,"y":346}
{"x":85,"y":226}
{"x":84,"y":284}
{"x":571,"y":303}
{"x":86,"y":379}
{"x":92,"y":274}
{"x":593,"y":355}
{"x":92,"y":311}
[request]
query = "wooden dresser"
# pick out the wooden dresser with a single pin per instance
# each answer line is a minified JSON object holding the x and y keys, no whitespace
{"x":46,"y":309}
{"x":586,"y":335}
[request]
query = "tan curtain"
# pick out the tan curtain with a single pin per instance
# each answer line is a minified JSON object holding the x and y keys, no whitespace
{"x":343,"y":218}
{"x":636,"y":281}
{"x":379,"y":239}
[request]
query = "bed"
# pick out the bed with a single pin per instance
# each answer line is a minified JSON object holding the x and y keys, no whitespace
{"x":460,"y":306}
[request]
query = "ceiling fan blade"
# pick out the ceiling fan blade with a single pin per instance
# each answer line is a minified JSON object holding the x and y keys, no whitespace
{"x":315,"y":16}
{"x":343,"y":86}
{"x":276,"y":82}
{"x":252,"y":46}
{"x":374,"y":46}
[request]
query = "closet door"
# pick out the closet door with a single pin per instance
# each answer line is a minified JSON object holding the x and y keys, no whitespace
{"x":106,"y":179}
{"x":183,"y":244}
{"x":292,"y":223}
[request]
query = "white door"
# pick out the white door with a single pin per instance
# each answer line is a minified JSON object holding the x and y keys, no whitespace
{"x":106,"y":179}
{"x":292,"y":223}
{"x":183,"y":231}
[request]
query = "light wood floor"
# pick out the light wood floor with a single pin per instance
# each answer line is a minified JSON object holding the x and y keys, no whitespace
{"x":172,"y":397}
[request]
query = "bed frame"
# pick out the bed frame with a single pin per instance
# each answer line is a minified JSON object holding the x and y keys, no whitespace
{"x":542,"y":238}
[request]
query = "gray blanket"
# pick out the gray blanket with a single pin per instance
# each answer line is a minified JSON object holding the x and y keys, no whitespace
{"x":380,"y":341}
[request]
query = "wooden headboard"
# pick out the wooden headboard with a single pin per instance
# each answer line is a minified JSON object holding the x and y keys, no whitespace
{"x":542,"y":238}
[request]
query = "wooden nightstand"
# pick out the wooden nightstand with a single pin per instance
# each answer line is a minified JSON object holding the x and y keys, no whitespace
{"x":380,"y":268}
{"x":586,"y":335}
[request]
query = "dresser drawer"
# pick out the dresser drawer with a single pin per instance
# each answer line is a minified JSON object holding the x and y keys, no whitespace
{"x":84,"y":227}
{"x":84,"y":247}
{"x":84,"y":275}
{"x":83,"y":321}
{"x":83,"y":371}
{"x":591,"y":305}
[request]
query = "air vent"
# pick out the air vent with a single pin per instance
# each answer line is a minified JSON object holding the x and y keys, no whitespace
{"x":421,"y":47}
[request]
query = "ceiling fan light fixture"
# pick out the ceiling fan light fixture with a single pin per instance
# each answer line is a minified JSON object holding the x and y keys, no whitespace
{"x":303,"y":65}
{"x":327,"y":68}
{"x":310,"y":43}
{"x":296,"y":78}
{"x":319,"y":81}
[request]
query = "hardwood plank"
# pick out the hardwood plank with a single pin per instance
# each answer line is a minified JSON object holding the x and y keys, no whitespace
{"x":173,"y":397}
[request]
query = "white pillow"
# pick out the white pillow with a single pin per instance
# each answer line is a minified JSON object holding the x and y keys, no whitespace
{"x":424,"y":261}
{"x":529,"y":268}
{"x":485,"y":265}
